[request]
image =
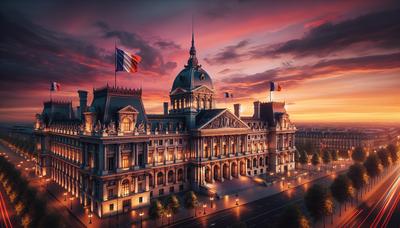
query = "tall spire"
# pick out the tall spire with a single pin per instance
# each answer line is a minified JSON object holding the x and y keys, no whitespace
{"x":192,"y":62}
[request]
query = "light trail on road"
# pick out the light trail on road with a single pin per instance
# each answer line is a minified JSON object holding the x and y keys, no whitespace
{"x":380,"y":212}
{"x":4,"y":213}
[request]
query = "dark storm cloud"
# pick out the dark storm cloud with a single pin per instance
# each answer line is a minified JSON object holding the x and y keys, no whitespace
{"x":167,"y":44}
{"x":381,"y":29}
{"x":255,"y":83}
{"x":228,"y":54}
{"x":31,"y":53}
{"x":152,"y":57}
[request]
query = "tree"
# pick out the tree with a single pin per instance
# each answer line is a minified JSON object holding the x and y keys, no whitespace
{"x":190,"y":201}
{"x":326,"y":156}
{"x":315,"y":160}
{"x":318,"y":202}
{"x":156,"y":209}
{"x":342,"y":190}
{"x":358,"y":154}
{"x":358,"y":176}
{"x":334,"y":155}
{"x":373,"y":165}
{"x":293,"y":218}
{"x":393,"y":152}
{"x":384,"y":157}
{"x":172,"y":204}
{"x":303,"y":157}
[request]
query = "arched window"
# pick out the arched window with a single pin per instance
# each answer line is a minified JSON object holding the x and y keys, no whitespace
{"x":254,"y":162}
{"x":261,"y":162}
{"x":170,"y":176}
{"x":126,"y":124}
{"x":248,"y":163}
{"x":160,"y":178}
{"x":125,"y":187}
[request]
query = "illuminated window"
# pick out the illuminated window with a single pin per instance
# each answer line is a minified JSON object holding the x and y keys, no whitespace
{"x":126,"y":124}
{"x":125,"y":161}
{"x":125,"y":188}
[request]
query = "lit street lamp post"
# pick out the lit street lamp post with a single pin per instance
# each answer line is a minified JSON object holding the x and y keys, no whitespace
{"x":141,"y":218}
{"x":237,"y":200}
{"x":168,"y":217}
{"x":71,"y":199}
{"x":90,"y":218}
{"x":65,"y":196}
{"x":211,"y":201}
{"x":204,"y":209}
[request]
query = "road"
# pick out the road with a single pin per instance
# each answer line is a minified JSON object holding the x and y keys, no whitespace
{"x":382,"y":209}
{"x":26,"y":166}
{"x":5,"y":217}
{"x":259,"y":213}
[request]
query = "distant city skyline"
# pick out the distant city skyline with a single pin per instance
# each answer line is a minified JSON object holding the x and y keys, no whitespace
{"x":336,"y":61}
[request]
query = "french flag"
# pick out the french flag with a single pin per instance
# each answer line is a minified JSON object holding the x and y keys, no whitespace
{"x":125,"y":61}
{"x":55,"y":86}
{"x":274,"y":86}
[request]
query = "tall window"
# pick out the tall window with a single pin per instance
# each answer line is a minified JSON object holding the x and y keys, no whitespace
{"x":126,"y":124}
{"x":110,"y":163}
{"x":125,"y":161}
{"x":160,"y":178}
{"x":125,"y":188}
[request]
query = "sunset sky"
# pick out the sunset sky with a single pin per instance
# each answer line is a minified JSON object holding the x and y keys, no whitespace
{"x":337,"y":61}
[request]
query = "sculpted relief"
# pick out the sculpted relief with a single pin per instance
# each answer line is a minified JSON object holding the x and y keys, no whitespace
{"x":225,"y":121}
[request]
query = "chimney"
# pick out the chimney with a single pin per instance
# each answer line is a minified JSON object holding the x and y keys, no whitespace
{"x":82,"y":102}
{"x":256,"y":110}
{"x":165,"y":108}
{"x":236,"y":108}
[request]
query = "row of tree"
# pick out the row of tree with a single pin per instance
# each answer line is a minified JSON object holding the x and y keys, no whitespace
{"x":170,"y":205}
{"x":327,"y":157}
{"x":320,"y":200}
{"x":26,"y":145}
{"x":30,"y":207}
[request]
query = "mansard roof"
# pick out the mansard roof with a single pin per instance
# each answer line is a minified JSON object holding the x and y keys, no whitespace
{"x":108,"y":101}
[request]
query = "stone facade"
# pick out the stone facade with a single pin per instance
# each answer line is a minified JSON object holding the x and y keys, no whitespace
{"x":115,"y":157}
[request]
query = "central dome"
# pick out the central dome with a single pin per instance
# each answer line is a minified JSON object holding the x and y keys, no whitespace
{"x":198,"y":75}
{"x":192,"y":76}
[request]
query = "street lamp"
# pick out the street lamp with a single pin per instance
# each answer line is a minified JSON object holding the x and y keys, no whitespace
{"x":71,"y":199}
{"x":204,"y":209}
{"x":168,"y":216}
{"x":237,"y":200}
{"x":141,"y":218}
{"x":90,"y":218}
{"x":211,"y":201}
{"x":65,"y":196}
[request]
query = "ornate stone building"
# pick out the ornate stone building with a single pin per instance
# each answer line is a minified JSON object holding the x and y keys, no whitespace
{"x":115,"y":157}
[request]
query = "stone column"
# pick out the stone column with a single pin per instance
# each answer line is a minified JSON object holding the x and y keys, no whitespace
{"x":212,"y":147}
{"x":136,"y":184}
{"x":147,"y":187}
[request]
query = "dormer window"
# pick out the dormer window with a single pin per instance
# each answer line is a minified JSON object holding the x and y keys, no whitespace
{"x":126,"y":124}
{"x":202,"y":77}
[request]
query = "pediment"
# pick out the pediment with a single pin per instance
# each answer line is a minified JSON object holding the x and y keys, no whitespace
{"x":203,"y":89}
{"x":225,"y":119}
{"x":128,"y":109}
{"x":177,"y":91}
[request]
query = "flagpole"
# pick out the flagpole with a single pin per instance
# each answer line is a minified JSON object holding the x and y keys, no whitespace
{"x":115,"y":64}
{"x":270,"y":95}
